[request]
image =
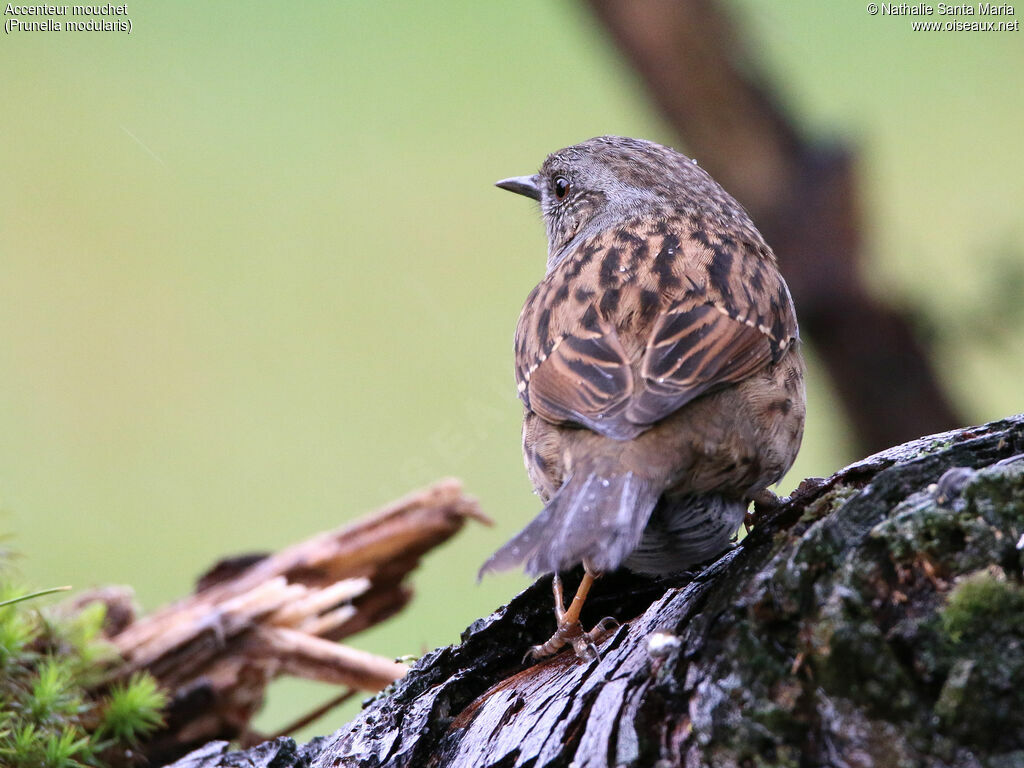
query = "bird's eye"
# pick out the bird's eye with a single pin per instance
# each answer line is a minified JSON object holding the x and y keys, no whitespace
{"x":561,"y":187}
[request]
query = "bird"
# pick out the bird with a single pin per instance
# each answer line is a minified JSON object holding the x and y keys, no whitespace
{"x":659,"y":367}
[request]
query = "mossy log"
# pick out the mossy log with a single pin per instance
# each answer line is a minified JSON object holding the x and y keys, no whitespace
{"x":876,"y":618}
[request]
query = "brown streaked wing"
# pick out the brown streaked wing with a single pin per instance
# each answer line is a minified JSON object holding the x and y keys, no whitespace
{"x":694,"y":347}
{"x":724,"y":313}
{"x":586,"y":379}
{"x":734,"y":317}
{"x":571,"y":365}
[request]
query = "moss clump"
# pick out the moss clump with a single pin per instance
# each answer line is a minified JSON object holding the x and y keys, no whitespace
{"x":48,"y":717}
{"x":827,"y":504}
{"x":982,"y":624}
{"x":984,"y":605}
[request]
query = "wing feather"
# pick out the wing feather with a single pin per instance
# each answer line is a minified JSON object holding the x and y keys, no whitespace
{"x":691,"y":314}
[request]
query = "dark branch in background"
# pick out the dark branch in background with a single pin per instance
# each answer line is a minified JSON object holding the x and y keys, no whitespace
{"x":803,"y":194}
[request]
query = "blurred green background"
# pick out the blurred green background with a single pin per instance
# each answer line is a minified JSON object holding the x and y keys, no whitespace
{"x":255,"y":281}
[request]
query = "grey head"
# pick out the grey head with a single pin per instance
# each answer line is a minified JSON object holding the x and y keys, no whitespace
{"x":605,"y":181}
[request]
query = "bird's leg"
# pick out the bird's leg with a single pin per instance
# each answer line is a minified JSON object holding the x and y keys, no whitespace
{"x":556,"y":588}
{"x":569,"y":629}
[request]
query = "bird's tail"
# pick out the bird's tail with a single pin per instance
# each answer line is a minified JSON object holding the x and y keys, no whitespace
{"x":599,"y":516}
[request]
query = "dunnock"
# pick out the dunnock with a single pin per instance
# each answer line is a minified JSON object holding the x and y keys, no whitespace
{"x":659,"y":366}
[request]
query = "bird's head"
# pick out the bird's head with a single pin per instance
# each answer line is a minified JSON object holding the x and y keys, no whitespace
{"x":603,"y":182}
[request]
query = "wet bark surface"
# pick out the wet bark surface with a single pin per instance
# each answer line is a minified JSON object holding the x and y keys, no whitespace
{"x":876,"y":618}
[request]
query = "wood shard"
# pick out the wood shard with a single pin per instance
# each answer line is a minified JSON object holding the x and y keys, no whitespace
{"x":256,"y":617}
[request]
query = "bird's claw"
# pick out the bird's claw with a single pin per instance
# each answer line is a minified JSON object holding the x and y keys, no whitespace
{"x":586,"y":644}
{"x":585,"y":648}
{"x":571,"y":633}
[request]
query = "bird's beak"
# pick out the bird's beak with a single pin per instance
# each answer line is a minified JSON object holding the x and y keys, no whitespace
{"x":521,"y":185}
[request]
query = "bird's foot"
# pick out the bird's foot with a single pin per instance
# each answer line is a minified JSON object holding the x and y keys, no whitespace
{"x":765,"y":502}
{"x":570,"y":630}
{"x":571,"y":633}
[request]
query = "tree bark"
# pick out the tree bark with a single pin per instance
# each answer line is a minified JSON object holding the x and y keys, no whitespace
{"x":875,"y":618}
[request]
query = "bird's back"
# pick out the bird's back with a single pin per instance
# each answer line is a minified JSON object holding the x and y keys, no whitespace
{"x":657,"y":361}
{"x":641,"y":318}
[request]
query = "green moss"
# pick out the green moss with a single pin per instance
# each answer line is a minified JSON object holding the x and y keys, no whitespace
{"x":920,"y":526}
{"x":982,"y":697}
{"x":968,"y":533}
{"x":827,"y":504}
{"x":48,"y":717}
{"x":937,"y":446}
{"x":981,"y":606}
{"x":133,"y":709}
